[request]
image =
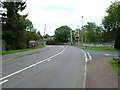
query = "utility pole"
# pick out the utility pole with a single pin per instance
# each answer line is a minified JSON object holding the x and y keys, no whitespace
{"x":71,"y":37}
{"x":82,"y":20}
{"x":82,"y":31}
{"x":44,"y":35}
{"x":78,"y":35}
{"x":44,"y":29}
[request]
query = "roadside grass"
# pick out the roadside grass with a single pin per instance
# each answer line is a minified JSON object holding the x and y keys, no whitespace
{"x":101,"y":48}
{"x":115,"y":66}
{"x":21,"y":50}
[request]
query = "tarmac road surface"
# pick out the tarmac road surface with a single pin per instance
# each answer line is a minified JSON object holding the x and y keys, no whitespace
{"x":51,"y":67}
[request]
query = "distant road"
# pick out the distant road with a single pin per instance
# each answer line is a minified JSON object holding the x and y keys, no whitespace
{"x":51,"y":67}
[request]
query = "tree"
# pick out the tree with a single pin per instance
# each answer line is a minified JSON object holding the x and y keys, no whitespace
{"x":111,"y":23}
{"x":62,"y":34}
{"x":13,"y":26}
{"x":91,"y":33}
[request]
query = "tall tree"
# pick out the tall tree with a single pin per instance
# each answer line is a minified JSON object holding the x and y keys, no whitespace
{"x":13,"y":26}
{"x":111,"y":23}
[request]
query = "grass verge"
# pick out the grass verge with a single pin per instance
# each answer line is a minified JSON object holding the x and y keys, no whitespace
{"x":101,"y":48}
{"x":21,"y":50}
{"x":115,"y":66}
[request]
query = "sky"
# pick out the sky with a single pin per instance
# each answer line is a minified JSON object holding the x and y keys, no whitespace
{"x":56,"y":13}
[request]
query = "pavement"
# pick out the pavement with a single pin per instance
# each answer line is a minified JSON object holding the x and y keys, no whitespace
{"x":100,"y":74}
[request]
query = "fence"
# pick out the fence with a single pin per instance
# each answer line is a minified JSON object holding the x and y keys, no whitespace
{"x":34,"y":44}
{"x":94,"y":44}
{"x":3,"y":45}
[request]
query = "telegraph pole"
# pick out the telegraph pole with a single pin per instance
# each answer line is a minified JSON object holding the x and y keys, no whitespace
{"x":82,"y":20}
{"x":71,"y":36}
{"x":44,"y":34}
{"x":44,"y":29}
{"x":78,"y":35}
{"x":82,"y":31}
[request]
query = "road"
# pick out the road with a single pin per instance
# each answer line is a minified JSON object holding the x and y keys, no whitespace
{"x":96,"y":54}
{"x":51,"y":67}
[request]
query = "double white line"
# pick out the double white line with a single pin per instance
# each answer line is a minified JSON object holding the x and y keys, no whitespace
{"x":28,"y":67}
{"x":90,"y":58}
{"x":86,"y":60}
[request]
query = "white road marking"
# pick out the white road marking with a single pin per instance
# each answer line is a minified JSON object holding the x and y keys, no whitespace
{"x":47,"y":59}
{"x":84,"y":83}
{"x":3,"y":82}
{"x":84,"y":80}
{"x":90,"y":58}
{"x":22,"y":69}
{"x":85,"y":55}
{"x":106,"y":54}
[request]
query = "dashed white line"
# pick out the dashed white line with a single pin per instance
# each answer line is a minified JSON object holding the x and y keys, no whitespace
{"x":47,"y":59}
{"x":3,"y":82}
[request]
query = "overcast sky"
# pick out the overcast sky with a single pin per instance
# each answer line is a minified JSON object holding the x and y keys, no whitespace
{"x":55,"y":13}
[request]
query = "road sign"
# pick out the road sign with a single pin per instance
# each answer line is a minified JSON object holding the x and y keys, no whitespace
{"x":77,"y":38}
{"x":45,"y":37}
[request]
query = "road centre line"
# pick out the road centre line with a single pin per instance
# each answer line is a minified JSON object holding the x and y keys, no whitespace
{"x":49,"y":59}
{"x":3,"y":82}
{"x":28,"y":67}
{"x":22,"y":69}
{"x":90,"y":58}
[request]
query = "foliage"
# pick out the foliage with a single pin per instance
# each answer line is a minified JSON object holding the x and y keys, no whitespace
{"x":117,"y":43}
{"x":13,"y":26}
{"x":17,"y":30}
{"x":51,"y":42}
{"x":115,"y":66}
{"x":62,"y":34}
{"x":91,"y":33}
{"x":111,"y":23}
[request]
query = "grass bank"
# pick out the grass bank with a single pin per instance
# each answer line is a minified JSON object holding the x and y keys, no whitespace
{"x":115,"y":66}
{"x":21,"y":50}
{"x":101,"y":48}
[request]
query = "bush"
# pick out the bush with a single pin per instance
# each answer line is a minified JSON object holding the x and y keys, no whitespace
{"x":51,"y":42}
{"x":22,"y":45}
{"x":8,"y":47}
{"x":117,"y":43}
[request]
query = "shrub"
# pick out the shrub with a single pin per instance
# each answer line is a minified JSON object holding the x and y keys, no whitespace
{"x":51,"y":42}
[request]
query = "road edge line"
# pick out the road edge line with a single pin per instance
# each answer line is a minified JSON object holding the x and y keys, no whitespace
{"x":86,"y":59}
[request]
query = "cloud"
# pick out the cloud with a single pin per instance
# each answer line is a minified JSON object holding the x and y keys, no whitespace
{"x":58,"y":8}
{"x":55,"y":13}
